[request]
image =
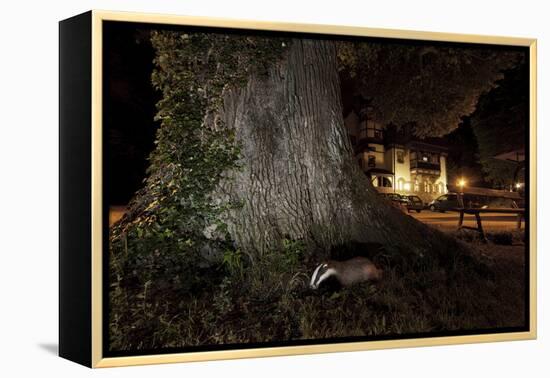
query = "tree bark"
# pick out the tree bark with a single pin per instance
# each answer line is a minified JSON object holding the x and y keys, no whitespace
{"x":299,"y":179}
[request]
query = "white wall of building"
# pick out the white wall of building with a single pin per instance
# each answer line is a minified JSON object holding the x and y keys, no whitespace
{"x":402,"y":170}
{"x":442,"y":180}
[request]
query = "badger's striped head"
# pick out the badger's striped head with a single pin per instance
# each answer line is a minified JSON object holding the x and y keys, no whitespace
{"x":321,"y":273}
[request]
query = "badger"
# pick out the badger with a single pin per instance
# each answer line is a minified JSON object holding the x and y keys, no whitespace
{"x":349,"y":272}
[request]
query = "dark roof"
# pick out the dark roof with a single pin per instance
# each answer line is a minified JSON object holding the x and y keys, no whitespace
{"x":379,"y":170}
{"x":432,"y":144}
{"x":391,"y":136}
{"x":405,"y":137}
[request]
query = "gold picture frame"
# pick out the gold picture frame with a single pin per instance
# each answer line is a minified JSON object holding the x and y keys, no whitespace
{"x":94,"y":260}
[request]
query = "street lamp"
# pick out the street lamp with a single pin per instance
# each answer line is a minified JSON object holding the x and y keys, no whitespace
{"x":461,"y":183}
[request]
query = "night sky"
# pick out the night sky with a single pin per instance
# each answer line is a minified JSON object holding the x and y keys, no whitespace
{"x":129,"y":108}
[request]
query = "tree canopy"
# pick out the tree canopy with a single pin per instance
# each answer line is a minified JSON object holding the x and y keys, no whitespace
{"x":499,"y":123}
{"x":463,"y":155}
{"x":432,"y":85}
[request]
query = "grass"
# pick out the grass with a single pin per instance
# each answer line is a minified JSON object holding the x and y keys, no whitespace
{"x":271,"y":301}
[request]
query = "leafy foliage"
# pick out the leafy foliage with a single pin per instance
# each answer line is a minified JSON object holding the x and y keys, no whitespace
{"x":431,"y":86}
{"x":463,"y":155}
{"x":270,"y":301}
{"x":173,"y":241}
{"x":499,"y":123}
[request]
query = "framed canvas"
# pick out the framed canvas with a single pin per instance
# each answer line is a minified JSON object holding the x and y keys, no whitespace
{"x":235,"y":189}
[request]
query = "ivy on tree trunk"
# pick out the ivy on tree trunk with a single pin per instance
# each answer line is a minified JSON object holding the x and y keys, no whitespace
{"x":252,"y":151}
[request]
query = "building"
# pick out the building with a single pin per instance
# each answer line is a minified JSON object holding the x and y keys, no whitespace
{"x":396,"y":162}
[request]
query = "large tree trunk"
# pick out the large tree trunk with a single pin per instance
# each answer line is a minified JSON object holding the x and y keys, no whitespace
{"x":299,"y":178}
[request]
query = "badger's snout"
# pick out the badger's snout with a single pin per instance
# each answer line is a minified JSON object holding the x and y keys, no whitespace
{"x":319,"y":274}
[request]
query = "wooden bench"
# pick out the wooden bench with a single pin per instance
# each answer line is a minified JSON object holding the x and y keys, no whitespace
{"x":477,"y":211}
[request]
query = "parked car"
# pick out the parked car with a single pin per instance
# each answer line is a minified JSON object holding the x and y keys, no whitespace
{"x":396,"y":200}
{"x":444,"y":202}
{"x":414,"y":203}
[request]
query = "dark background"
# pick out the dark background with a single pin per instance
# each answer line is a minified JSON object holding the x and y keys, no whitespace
{"x":129,"y":108}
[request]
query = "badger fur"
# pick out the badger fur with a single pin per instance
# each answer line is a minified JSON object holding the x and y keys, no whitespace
{"x":349,"y":272}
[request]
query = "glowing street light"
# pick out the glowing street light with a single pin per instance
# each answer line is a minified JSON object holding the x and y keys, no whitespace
{"x":518,"y":185}
{"x":461,"y":183}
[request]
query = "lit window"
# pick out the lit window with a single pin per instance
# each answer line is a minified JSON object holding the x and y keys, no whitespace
{"x":384,"y":182}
